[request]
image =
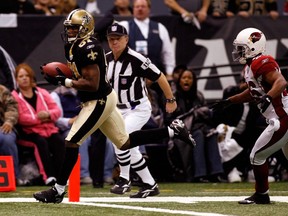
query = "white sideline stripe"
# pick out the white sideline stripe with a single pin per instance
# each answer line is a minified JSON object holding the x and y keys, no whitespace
{"x":104,"y":202}
{"x":177,"y":199}
{"x":139,"y":208}
{"x":152,"y":199}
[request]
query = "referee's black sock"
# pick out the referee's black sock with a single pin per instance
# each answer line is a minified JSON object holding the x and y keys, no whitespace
{"x":148,"y":136}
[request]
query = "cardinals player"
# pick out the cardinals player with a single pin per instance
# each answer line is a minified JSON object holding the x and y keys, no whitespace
{"x":267,"y":87}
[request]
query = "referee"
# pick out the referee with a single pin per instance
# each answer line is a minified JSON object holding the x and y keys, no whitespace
{"x":127,"y":70}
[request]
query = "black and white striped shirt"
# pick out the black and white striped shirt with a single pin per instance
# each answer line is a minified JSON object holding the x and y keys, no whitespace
{"x":127,"y":74}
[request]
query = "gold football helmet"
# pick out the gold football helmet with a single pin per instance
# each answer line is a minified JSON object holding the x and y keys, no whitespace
{"x":81,"y":19}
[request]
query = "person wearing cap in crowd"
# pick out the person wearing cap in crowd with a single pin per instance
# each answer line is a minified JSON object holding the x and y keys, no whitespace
{"x":150,"y":38}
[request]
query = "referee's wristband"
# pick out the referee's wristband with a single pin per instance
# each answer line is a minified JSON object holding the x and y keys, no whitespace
{"x":171,"y":100}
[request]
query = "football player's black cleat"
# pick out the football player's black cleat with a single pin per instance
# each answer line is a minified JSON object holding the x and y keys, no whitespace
{"x":146,"y":190}
{"x":256,"y":198}
{"x":181,"y":132}
{"x":49,"y":196}
{"x":122,"y":186}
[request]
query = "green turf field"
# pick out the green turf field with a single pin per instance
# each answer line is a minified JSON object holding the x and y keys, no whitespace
{"x":207,"y":199}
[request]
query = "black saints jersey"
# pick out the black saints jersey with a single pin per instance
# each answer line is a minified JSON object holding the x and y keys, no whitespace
{"x":83,"y":53}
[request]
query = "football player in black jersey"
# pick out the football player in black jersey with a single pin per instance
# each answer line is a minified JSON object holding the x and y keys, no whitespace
{"x":86,"y":58}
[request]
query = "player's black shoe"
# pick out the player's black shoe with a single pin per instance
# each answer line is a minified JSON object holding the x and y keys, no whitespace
{"x":122,"y":186}
{"x":146,"y":190}
{"x":256,"y":198}
{"x":181,"y":132}
{"x":49,"y":196}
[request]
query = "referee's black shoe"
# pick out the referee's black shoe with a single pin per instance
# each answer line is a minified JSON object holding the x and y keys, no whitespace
{"x":122,"y":186}
{"x":181,"y":132}
{"x":146,"y":190}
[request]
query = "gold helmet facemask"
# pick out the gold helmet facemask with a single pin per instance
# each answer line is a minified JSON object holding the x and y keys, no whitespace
{"x":80,"y":19}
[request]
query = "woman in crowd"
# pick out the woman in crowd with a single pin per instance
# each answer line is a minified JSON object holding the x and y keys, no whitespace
{"x":38,"y":114}
{"x":203,"y":163}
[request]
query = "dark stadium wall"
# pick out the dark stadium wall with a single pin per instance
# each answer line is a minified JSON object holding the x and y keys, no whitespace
{"x":37,"y":40}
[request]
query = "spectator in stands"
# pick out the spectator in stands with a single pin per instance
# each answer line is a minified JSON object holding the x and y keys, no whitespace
{"x":44,"y":7}
{"x":150,"y":38}
{"x":36,"y":123}
{"x":7,"y":68}
{"x":122,"y":8}
{"x":203,"y":163}
{"x":219,"y":8}
{"x":8,"y":119}
{"x":90,"y":6}
{"x":247,"y":8}
{"x":17,"y":7}
{"x":63,"y":7}
{"x":188,"y":9}
{"x":175,"y":76}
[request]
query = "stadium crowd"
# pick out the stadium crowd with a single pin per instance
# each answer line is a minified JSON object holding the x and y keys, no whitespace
{"x":201,"y":8}
{"x":222,"y":150}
